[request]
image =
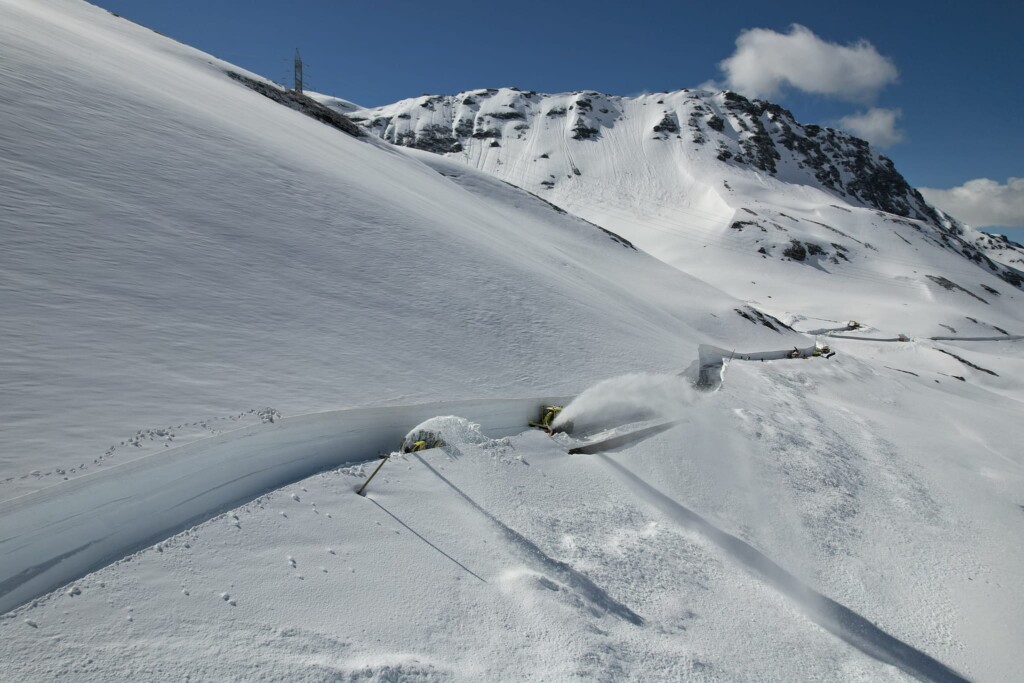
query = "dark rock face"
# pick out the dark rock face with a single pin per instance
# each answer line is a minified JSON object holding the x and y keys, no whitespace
{"x":967,"y":363}
{"x":755,"y":316}
{"x":434,"y":138}
{"x":838,"y":161}
{"x":757,"y":148}
{"x":668,"y":124}
{"x":508,"y":115}
{"x":584,"y":132}
{"x":299,"y":102}
{"x":990,"y":290}
{"x":952,"y":286}
{"x":484,"y":134}
{"x":795,"y":251}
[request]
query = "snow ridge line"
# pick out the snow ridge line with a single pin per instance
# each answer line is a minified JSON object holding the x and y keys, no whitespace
{"x":58,"y":534}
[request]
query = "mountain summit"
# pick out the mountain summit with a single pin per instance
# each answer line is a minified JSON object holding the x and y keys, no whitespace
{"x":698,"y":177}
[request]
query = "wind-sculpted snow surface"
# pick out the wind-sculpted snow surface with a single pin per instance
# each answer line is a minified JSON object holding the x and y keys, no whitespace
{"x":62,"y":532}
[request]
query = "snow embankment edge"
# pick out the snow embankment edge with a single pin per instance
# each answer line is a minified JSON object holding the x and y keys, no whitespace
{"x":58,"y":534}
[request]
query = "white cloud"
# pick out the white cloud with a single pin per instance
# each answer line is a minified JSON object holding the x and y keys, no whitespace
{"x":876,"y":125}
{"x":765,"y":61}
{"x":982,"y":202}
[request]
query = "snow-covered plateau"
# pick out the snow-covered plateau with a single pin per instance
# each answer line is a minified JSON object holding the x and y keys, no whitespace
{"x":222,"y":302}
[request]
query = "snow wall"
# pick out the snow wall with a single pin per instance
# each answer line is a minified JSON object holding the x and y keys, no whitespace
{"x":54,"y":536}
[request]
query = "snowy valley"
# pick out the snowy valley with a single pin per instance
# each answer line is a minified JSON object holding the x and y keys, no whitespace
{"x":223,"y":303}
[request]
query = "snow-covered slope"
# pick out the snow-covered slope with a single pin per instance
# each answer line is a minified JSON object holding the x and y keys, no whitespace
{"x":177,"y":247}
{"x":788,"y":529}
{"x":734,"y":191}
{"x":179,"y":250}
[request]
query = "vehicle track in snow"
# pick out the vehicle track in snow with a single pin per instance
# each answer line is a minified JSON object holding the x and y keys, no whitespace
{"x":834,"y":617}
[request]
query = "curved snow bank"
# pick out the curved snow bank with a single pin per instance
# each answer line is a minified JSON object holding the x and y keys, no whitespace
{"x":53,"y":536}
{"x":711,"y":357}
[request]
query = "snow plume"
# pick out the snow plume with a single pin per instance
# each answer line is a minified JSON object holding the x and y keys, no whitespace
{"x":765,"y":61}
{"x":450,"y":428}
{"x":450,"y":432}
{"x":628,"y":398}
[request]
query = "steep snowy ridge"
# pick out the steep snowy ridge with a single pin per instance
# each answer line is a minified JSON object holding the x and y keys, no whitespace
{"x":684,"y":172}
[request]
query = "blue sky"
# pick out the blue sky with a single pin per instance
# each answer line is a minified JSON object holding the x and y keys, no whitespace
{"x":956,"y":82}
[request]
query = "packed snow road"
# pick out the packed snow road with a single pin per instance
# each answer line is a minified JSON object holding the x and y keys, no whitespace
{"x":62,"y":532}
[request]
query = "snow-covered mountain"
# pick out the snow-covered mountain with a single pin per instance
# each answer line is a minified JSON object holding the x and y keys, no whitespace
{"x":707,"y":181}
{"x":188,"y":251}
{"x":180,"y":244}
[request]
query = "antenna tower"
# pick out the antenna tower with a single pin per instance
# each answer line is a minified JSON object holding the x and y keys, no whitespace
{"x":298,"y":71}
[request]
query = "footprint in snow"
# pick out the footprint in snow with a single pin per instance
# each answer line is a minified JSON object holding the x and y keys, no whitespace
{"x":295,"y":497}
{"x":291,"y":561}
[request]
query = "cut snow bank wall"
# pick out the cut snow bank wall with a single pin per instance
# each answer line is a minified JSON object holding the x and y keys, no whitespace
{"x":56,"y":535}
